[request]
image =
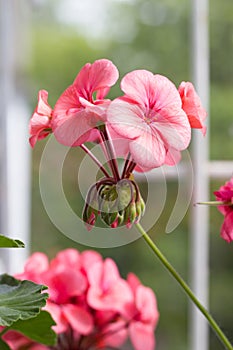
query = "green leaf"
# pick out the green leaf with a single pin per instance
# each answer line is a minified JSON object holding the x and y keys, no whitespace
{"x":3,"y":345}
{"x":6,"y":242}
{"x":37,"y":328}
{"x":19,"y":299}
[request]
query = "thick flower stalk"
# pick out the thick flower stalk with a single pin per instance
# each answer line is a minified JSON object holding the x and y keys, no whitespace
{"x":148,"y":126}
{"x":92,"y":305}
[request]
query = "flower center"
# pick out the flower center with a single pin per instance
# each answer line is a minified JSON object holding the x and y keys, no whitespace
{"x":150,"y":116}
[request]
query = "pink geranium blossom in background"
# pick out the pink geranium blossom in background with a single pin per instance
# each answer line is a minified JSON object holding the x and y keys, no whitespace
{"x":192,"y":106}
{"x":144,"y":315}
{"x":151,"y":117}
{"x":92,"y":305}
{"x":77,"y":112}
{"x":225,"y":194}
{"x":40,"y":122}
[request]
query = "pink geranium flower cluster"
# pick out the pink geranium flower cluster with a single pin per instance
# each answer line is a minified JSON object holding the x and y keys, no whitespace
{"x":149,"y":126}
{"x":92,"y":305}
{"x":153,"y":116}
{"x":225,"y":195}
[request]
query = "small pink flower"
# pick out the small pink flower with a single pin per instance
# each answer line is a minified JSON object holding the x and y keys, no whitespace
{"x":192,"y":106}
{"x":76,"y":112}
{"x":151,"y":117}
{"x":40,"y":122}
{"x":225,"y":194}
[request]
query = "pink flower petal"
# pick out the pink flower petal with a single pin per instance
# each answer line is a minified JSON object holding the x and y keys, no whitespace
{"x":40,"y":135}
{"x":148,"y":150}
{"x":126,"y":119}
{"x":103,"y":274}
{"x":102,"y":318}
{"x":121,"y":145}
{"x":79,"y":319}
{"x":138,"y":85}
{"x":227,"y":227}
{"x":101,"y":93}
{"x":35,"y":266}
{"x":43,"y":107}
{"x":68,"y":257}
{"x":16,"y":340}
{"x":172,"y":157}
{"x":114,"y":335}
{"x":97,"y":76}
{"x":147,"y":305}
{"x":133,"y":281}
{"x":143,"y":169}
{"x":192,"y":106}
{"x":56,"y":313}
{"x":40,"y":122}
{"x":114,"y":299}
{"x":152,"y":91}
{"x":225,"y":194}
{"x":88,"y":259}
{"x":167,"y":95}
{"x":65,"y":282}
{"x":74,"y":129}
{"x":173,"y":127}
{"x":108,"y":291}
{"x":69,"y":100}
{"x":142,"y":336}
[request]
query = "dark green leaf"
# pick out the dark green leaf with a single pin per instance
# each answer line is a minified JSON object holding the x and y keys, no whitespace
{"x":37,"y":328}
{"x":19,"y":299}
{"x":6,"y":242}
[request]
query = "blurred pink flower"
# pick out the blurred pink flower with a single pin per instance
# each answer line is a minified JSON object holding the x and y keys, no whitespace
{"x":151,"y":117}
{"x":40,"y":122}
{"x":225,"y":194}
{"x":92,"y":305}
{"x":192,"y":106}
{"x":76,"y":112}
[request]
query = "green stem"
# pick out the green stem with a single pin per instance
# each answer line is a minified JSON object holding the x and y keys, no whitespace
{"x":216,"y":203}
{"x":85,"y":149}
{"x":185,"y":287}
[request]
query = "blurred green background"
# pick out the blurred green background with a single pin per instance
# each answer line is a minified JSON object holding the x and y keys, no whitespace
{"x":153,"y":35}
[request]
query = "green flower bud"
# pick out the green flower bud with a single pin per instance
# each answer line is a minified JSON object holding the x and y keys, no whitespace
{"x":117,"y":204}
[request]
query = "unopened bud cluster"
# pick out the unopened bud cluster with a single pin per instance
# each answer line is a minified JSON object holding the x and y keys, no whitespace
{"x":117,"y":204}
